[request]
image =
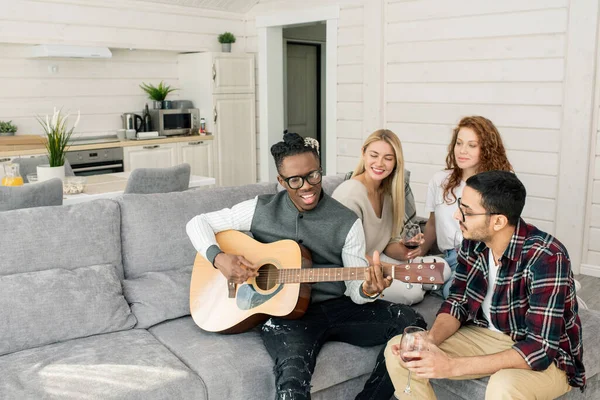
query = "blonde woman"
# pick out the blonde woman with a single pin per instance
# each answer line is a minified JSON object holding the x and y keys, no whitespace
{"x":379,"y":193}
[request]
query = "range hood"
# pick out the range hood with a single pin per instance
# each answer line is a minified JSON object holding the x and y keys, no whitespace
{"x":67,"y":51}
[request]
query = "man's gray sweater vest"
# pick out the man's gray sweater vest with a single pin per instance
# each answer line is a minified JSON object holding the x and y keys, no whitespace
{"x":322,"y":230}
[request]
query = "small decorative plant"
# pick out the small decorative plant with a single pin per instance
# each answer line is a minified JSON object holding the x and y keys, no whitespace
{"x":7,"y":128}
{"x":57,"y":136}
{"x":226,"y":37}
{"x":157,"y":93}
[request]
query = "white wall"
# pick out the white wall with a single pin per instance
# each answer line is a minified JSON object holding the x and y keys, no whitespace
{"x":594,"y":242}
{"x":503,"y":60}
{"x":351,"y":57}
{"x":592,"y":248}
{"x":418,"y":66}
{"x":100,"y":89}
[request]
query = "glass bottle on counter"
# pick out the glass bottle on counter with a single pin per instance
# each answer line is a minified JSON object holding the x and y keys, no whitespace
{"x":12,"y":177}
{"x":147,"y":120}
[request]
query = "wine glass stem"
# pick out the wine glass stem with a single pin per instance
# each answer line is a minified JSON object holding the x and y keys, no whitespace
{"x":407,"y":388}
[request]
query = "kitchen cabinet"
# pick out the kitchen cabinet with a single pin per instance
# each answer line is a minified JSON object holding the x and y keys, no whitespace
{"x":150,"y":156}
{"x":199,"y":154}
{"x":222,"y":86}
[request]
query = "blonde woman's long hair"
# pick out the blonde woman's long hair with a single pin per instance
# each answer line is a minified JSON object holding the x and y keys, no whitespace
{"x":393,"y":183}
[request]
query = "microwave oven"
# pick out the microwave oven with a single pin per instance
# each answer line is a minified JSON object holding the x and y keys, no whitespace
{"x":180,"y":121}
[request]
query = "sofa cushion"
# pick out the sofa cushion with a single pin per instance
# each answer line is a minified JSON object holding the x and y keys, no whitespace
{"x":242,"y":358}
{"x":75,"y":236}
{"x":45,"y":307}
{"x":153,"y":225}
{"x":123,"y":365}
{"x":147,"y":293}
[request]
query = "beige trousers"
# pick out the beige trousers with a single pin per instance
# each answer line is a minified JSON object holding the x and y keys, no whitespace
{"x":508,"y":384}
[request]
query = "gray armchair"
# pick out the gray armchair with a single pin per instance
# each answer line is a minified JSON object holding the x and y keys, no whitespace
{"x":47,"y":193}
{"x":29,"y":166}
{"x":159,"y":180}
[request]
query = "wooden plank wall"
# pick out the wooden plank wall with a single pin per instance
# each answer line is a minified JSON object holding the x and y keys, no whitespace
{"x":349,"y":71}
{"x":593,"y":253}
{"x":101,"y":89}
{"x":503,"y":60}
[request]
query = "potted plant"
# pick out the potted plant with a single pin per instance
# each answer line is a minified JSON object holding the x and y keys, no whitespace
{"x":158,"y":93}
{"x":7,"y":128}
{"x":57,"y":143}
{"x":226,"y":39}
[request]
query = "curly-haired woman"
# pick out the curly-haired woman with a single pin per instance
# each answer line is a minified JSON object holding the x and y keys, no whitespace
{"x":476,"y":146}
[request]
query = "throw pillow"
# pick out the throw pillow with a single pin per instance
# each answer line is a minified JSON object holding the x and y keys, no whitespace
{"x":155,"y":297}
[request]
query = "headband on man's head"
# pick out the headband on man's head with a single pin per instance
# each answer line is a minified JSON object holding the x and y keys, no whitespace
{"x":312,"y":142}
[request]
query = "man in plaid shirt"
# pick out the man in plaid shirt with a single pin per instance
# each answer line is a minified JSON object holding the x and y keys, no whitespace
{"x":512,"y":309}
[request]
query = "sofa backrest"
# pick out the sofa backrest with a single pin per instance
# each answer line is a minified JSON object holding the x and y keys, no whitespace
{"x":61,"y":274}
{"x":153,"y":225}
{"x":157,"y":253}
{"x":69,"y":237}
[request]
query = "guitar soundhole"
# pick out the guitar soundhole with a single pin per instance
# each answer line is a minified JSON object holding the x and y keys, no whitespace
{"x":267,"y":277}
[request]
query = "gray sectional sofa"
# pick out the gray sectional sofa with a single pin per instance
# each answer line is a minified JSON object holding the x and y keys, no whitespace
{"x":94,"y":305}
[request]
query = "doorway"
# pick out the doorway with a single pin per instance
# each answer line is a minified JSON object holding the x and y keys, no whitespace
{"x":304,"y":79}
{"x":273,"y":77}
{"x":303,"y":89}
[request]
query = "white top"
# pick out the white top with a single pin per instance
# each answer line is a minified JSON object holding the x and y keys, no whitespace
{"x":202,"y":229}
{"x":447,"y":230}
{"x":487,"y":301}
{"x":378,"y":231}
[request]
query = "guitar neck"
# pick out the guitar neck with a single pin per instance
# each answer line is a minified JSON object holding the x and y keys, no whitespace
{"x":405,"y":272}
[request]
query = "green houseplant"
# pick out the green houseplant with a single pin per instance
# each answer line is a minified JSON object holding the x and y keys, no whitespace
{"x":7,"y":128}
{"x":157,"y":93}
{"x":57,"y":142}
{"x":226,"y":39}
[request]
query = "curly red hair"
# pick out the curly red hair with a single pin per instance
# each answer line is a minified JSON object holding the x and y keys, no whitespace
{"x":492,"y":155}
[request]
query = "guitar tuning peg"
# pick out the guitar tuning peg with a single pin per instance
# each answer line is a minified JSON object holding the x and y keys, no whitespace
{"x":434,"y":287}
{"x":409,"y":285}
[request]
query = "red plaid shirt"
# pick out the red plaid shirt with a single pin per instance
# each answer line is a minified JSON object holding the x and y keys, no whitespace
{"x":534,"y":299}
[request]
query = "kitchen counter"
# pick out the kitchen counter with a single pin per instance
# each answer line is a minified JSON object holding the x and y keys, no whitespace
{"x":109,"y":186}
{"x":15,"y":150}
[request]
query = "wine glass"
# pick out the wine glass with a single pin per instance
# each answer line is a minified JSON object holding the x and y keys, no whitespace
{"x":413,"y":339}
{"x":411,"y":236}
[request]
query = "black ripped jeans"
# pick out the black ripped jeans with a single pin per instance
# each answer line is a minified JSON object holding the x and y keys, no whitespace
{"x":295,"y":344}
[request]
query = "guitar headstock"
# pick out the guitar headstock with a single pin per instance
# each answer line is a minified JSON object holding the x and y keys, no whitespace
{"x":419,"y":272}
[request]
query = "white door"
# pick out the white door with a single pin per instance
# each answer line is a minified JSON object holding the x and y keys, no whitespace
{"x":235,"y":133}
{"x":233,"y":73}
{"x":150,"y":156}
{"x":199,"y":154}
{"x":302,"y":93}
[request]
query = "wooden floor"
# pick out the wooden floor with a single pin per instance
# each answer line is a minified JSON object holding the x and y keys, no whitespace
{"x":589,"y":291}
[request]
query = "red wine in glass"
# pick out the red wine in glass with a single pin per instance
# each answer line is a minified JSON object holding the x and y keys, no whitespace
{"x":413,"y":339}
{"x":411,"y":236}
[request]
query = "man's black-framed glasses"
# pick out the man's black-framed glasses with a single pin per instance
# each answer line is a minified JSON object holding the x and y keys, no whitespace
{"x":465,"y":215}
{"x":296,"y":182}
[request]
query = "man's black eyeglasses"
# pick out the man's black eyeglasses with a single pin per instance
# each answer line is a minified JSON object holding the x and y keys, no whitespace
{"x":465,"y":215}
{"x":296,"y":182}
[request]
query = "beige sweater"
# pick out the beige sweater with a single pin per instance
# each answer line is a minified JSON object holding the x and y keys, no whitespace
{"x":353,"y":194}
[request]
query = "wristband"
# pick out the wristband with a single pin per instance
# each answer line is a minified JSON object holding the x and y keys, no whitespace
{"x":369,"y":295}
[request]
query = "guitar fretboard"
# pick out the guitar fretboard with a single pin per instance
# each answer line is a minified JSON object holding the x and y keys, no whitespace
{"x":405,"y":272}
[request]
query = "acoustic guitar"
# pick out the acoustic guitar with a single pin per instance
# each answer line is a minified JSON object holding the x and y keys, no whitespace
{"x":280,"y":289}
